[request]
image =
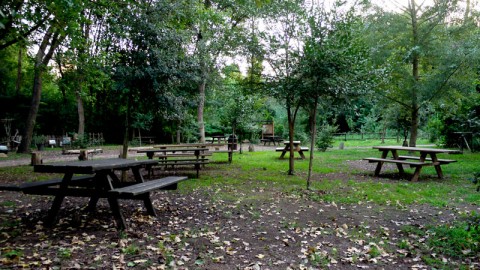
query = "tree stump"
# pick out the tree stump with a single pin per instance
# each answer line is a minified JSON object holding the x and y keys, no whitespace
{"x":83,"y":155}
{"x":36,"y":158}
{"x":251,"y":148}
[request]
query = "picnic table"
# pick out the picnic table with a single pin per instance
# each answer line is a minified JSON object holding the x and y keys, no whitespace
{"x":179,"y":156}
{"x":271,"y":139}
{"x":96,"y":179}
{"x":427,"y":157}
{"x":219,"y":138}
{"x":296,"y":148}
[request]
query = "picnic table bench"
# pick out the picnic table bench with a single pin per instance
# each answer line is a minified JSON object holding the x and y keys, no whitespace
{"x":417,"y":162}
{"x":100,"y":181}
{"x":180,"y":157}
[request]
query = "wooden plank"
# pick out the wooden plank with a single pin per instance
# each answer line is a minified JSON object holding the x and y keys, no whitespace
{"x":443,"y":161}
{"x":76,"y":180}
{"x":206,"y":154}
{"x":141,"y":188}
{"x":419,"y":149}
{"x":406,"y":162}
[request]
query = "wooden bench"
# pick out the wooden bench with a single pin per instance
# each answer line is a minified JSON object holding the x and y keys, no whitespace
{"x":30,"y":187}
{"x":442,"y":161}
{"x":400,"y":162}
{"x":197,"y":163}
{"x":140,"y":191}
{"x":131,"y":191}
{"x":396,"y":161}
{"x":178,"y":155}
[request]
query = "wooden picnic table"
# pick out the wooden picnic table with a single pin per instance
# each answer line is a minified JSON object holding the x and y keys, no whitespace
{"x":164,"y":152}
{"x":418,"y":162}
{"x":219,"y":138}
{"x":296,"y":148}
{"x":97,"y":180}
{"x":179,"y":157}
{"x":271,"y":139}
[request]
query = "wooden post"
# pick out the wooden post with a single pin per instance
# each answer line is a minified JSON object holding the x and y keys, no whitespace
{"x":36,"y":158}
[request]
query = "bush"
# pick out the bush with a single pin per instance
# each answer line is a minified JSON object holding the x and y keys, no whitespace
{"x":325,"y":137}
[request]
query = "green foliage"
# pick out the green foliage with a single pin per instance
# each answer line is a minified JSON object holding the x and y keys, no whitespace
{"x":131,"y":250}
{"x":325,"y":137}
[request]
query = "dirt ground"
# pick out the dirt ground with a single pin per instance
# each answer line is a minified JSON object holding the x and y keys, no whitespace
{"x":200,"y":230}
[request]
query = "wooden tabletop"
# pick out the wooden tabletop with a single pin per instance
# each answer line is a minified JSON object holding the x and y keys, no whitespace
{"x":90,"y":166}
{"x":182,"y":145}
{"x":418,"y":149}
{"x":172,"y":150}
{"x":288,"y":142}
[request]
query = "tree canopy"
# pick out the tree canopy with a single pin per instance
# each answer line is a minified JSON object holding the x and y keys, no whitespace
{"x":184,"y":70}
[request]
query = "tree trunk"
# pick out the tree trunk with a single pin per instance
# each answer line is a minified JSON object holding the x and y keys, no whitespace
{"x":414,"y":128}
{"x":52,"y":38}
{"x":415,"y":74}
{"x":81,"y":113}
{"x":466,"y":15}
{"x":313,"y":126}
{"x":201,"y":106}
{"x":18,"y":85}
{"x":291,"y":134}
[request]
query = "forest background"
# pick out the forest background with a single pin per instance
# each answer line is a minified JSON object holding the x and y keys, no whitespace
{"x":183,"y":70}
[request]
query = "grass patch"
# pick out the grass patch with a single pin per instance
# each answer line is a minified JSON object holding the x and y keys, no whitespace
{"x":334,"y":179}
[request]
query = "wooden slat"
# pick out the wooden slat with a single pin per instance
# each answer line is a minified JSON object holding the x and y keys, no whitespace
{"x":443,"y":161}
{"x":47,"y":183}
{"x":148,"y":186}
{"x":412,"y":163}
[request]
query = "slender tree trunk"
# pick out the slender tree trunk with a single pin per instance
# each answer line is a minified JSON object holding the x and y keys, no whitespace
{"x":81,"y":113}
{"x":18,"y":85}
{"x":466,"y":15}
{"x":313,"y":126}
{"x":52,"y":38}
{"x":414,"y":128}
{"x":201,"y":107}
{"x":415,"y":75}
{"x":291,"y":134}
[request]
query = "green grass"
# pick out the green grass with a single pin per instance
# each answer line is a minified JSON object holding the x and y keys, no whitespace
{"x":339,"y":181}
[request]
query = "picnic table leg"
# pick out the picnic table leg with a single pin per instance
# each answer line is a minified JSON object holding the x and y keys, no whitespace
{"x":416,"y":174}
{"x":301,"y":154}
{"x":57,"y":202}
{"x":117,"y":214}
{"x":380,"y":163}
{"x":437,"y":167}
{"x":147,"y":201}
{"x":399,"y":166}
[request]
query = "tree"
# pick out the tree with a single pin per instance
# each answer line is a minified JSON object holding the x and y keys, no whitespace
{"x":334,"y":64}
{"x":218,"y":27}
{"x":283,"y":37}
{"x":20,"y":19}
{"x":151,"y":67}
{"x":422,"y":59}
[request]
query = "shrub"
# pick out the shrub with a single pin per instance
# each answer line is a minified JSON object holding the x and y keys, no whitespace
{"x":325,"y":137}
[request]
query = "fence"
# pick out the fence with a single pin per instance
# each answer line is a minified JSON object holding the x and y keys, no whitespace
{"x":366,"y":136}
